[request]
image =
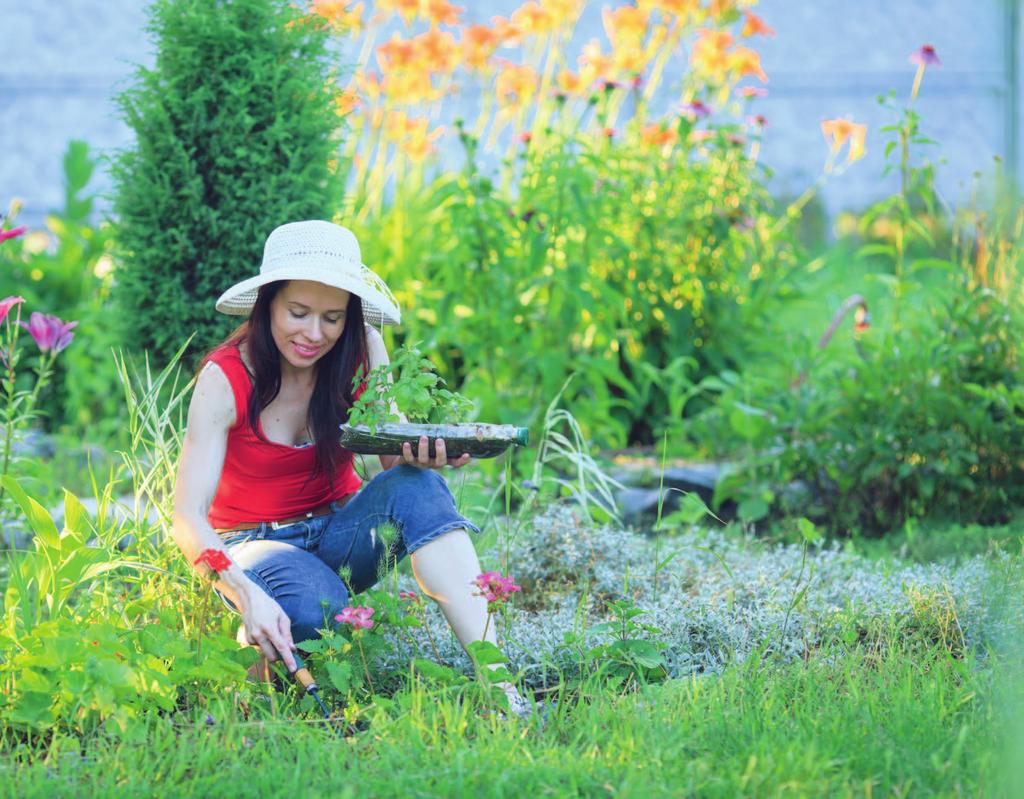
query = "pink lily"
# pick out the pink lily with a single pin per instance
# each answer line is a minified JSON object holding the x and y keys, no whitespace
{"x":13,"y":233}
{"x":8,"y":303}
{"x":49,"y":332}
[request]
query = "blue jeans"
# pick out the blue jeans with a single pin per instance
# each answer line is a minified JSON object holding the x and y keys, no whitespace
{"x":310,"y":567}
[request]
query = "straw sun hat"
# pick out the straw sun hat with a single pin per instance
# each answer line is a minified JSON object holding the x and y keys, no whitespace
{"x":318,"y":251}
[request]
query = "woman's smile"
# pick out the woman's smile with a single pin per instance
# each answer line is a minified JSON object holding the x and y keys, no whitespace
{"x":306,"y":350}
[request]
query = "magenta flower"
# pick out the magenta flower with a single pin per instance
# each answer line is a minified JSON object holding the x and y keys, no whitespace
{"x":925,"y":56}
{"x":358,"y":617}
{"x":494,"y":587}
{"x":49,"y":332}
{"x":695,"y":110}
{"x":13,"y":233}
{"x":7,"y":304}
{"x":411,"y":595}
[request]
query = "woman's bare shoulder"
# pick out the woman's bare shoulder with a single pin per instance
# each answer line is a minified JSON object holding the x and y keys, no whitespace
{"x":213,"y":400}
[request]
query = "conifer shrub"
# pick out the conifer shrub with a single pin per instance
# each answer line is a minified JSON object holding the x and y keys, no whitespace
{"x":236,"y":132}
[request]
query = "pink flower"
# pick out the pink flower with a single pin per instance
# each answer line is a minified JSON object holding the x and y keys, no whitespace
{"x":358,"y":617}
{"x":411,"y":595}
{"x":753,"y":91}
{"x":609,"y":133}
{"x":7,"y":304}
{"x":925,"y":56}
{"x":49,"y":332}
{"x":13,"y":233}
{"x":494,"y":587}
{"x":695,"y":110}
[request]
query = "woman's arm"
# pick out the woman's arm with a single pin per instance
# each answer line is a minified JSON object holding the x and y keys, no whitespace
{"x":211,"y":415}
{"x":378,"y":355}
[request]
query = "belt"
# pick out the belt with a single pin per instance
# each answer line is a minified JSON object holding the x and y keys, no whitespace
{"x":319,"y":510}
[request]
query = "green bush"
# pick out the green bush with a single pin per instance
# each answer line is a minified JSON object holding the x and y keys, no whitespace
{"x":605,"y":258}
{"x":236,"y":133}
{"x":927,"y":420}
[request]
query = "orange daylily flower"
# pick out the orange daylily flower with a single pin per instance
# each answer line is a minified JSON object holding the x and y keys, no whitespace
{"x":516,"y":84}
{"x":398,"y":53}
{"x":478,"y":44}
{"x":563,"y":12}
{"x":437,"y":50}
{"x":710,"y":52}
{"x":838,"y":131}
{"x":345,"y":101}
{"x":408,"y":9}
{"x":409,"y":86}
{"x":744,"y":61}
{"x":755,"y":26}
{"x":625,"y":25}
{"x":658,"y":134}
{"x":594,"y":64}
{"x":530,"y":18}
{"x":369,"y":84}
{"x":569,"y":83}
{"x":682,"y":9}
{"x":418,"y":143}
{"x":339,"y":15}
{"x":441,"y":12}
{"x":507,"y":31}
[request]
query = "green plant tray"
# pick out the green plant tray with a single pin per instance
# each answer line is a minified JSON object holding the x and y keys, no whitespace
{"x":479,"y":440}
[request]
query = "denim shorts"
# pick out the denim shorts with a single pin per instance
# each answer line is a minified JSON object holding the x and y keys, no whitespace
{"x":312,"y":567}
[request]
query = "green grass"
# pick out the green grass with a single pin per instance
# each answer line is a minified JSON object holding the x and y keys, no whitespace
{"x":875,"y":722}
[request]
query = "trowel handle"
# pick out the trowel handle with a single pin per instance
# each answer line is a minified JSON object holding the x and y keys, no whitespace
{"x":302,"y":675}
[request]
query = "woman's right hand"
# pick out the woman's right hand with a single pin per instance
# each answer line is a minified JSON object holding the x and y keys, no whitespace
{"x":268,"y":627}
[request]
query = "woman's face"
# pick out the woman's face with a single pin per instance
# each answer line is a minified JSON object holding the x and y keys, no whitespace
{"x":306,"y":319}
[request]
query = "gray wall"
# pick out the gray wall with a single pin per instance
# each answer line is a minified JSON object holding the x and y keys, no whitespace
{"x":62,"y":60}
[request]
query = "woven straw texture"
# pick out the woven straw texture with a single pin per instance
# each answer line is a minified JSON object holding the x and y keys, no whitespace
{"x":322,"y":252}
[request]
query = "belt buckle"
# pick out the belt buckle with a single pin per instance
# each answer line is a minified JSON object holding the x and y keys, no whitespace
{"x":278,"y":525}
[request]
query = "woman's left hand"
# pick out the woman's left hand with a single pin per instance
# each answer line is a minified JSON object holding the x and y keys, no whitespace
{"x":422,"y":457}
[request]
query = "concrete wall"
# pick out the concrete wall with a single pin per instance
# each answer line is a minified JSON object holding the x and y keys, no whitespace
{"x":61,"y":61}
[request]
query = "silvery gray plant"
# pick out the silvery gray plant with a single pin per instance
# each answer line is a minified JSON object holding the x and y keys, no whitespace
{"x":720,"y":598}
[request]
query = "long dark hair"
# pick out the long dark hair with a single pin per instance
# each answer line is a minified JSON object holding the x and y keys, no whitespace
{"x":332,"y":394}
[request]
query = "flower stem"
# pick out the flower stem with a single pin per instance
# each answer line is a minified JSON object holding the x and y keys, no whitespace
{"x":366,"y":667}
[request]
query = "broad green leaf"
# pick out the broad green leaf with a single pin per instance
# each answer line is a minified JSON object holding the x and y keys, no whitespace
{"x":808,"y":531}
{"x":76,"y":517}
{"x":484,"y":653}
{"x":340,"y":674}
{"x":38,"y":517}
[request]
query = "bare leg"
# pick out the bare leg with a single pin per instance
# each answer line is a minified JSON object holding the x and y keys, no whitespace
{"x":445,"y":569}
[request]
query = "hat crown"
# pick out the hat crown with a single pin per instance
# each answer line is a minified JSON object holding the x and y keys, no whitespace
{"x":312,"y":240}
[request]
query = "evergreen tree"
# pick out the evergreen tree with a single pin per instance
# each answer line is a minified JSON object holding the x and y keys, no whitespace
{"x":235,"y":133}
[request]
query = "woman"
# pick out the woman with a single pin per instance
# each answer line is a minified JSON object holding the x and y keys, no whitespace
{"x":263,"y":479}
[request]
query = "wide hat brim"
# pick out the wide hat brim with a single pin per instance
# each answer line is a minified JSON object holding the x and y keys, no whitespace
{"x":379,"y":305}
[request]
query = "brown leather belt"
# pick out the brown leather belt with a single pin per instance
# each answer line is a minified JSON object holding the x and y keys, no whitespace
{"x":319,"y":510}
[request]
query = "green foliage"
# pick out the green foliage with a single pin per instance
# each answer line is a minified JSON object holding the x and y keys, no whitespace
{"x":75,"y":659}
{"x":410,"y":383}
{"x":634,"y":651}
{"x":613,"y":260}
{"x":67,"y":270}
{"x":931,"y":421}
{"x":235,"y":133}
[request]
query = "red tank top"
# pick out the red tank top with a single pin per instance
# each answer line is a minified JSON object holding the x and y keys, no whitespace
{"x":262,"y":480}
